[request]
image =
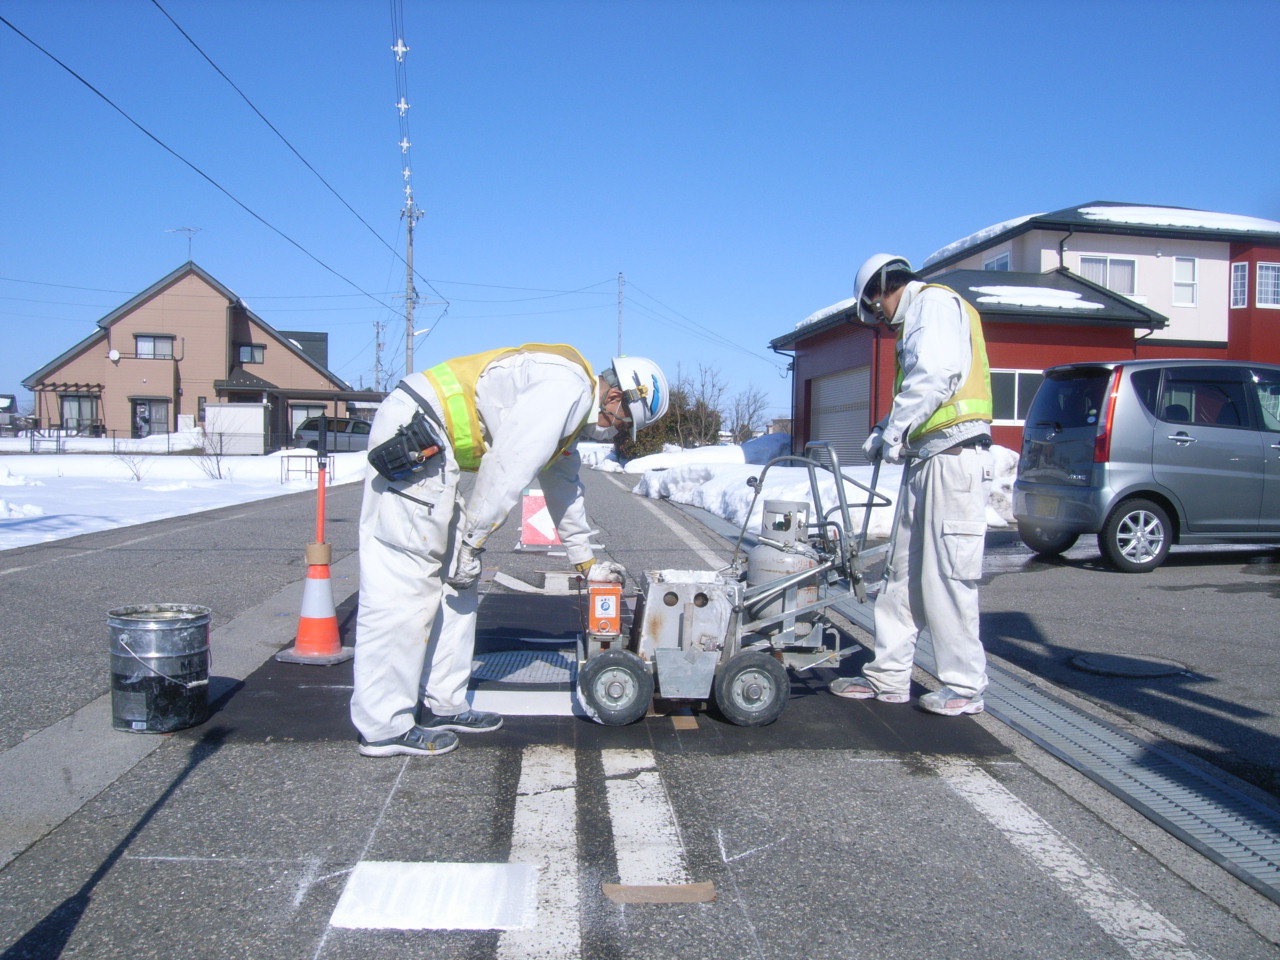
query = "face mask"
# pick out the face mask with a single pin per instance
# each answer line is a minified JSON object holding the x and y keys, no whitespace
{"x":594,"y":431}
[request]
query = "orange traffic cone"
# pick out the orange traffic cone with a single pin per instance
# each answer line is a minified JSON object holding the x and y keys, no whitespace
{"x":317,"y":641}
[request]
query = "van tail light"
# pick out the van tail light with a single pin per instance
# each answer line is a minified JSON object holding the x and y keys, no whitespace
{"x":1102,"y":444}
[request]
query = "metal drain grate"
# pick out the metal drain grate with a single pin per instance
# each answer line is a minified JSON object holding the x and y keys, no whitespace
{"x":549,"y":667}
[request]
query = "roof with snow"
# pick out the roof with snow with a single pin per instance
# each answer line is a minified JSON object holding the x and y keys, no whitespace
{"x":1106,"y":216}
{"x":1058,"y":297}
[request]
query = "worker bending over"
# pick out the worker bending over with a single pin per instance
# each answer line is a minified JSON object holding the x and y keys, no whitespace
{"x":510,"y":415}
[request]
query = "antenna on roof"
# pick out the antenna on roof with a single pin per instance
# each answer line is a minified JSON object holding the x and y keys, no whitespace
{"x":190,"y":232}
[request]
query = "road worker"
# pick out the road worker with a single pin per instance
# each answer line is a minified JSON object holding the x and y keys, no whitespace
{"x":512,"y":416}
{"x":939,"y":428}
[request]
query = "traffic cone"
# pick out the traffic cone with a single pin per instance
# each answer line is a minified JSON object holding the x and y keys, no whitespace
{"x":317,"y":640}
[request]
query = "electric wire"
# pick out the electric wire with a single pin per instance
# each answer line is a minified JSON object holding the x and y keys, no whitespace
{"x":174,"y":153}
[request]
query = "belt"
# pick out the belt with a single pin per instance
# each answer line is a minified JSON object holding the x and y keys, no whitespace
{"x":983,"y":443}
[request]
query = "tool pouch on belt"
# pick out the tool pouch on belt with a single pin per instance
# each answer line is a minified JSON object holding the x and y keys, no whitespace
{"x":410,"y":451}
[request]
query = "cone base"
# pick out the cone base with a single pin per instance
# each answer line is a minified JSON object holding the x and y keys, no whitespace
{"x":324,"y":659}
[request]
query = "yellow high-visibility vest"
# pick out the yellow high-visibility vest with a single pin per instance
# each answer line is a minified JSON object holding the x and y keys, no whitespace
{"x":455,"y":384}
{"x":973,"y":400}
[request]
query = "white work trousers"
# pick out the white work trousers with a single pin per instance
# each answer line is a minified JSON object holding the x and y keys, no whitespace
{"x":936,"y":565}
{"x":415,"y":634}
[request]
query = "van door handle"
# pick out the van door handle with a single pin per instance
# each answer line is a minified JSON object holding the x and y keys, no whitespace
{"x":1182,"y":438}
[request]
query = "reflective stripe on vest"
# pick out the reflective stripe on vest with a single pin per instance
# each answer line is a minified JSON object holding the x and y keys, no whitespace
{"x":455,"y":384}
{"x":973,"y":400}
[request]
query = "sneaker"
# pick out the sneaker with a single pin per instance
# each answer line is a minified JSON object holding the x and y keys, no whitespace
{"x":469,"y":721}
{"x":951,"y":704}
{"x":860,"y":688}
{"x":415,"y":742}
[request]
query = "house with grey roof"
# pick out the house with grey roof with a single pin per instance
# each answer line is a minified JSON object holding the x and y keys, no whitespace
{"x":185,"y":342}
{"x":1101,"y":281}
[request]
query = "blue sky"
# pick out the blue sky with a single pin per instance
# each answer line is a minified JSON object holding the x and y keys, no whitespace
{"x":735,"y":161}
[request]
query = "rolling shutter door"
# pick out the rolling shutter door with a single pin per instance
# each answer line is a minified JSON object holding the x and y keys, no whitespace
{"x":840,"y":411}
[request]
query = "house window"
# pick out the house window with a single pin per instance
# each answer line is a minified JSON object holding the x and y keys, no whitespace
{"x":1114,"y":273}
{"x":1239,"y":284}
{"x":1011,"y":393}
{"x":78,"y":411}
{"x":1184,"y":281}
{"x":148,"y":347}
{"x":253,"y":353}
{"x":999,"y":262}
{"x":200,"y":402}
{"x":1269,"y":285}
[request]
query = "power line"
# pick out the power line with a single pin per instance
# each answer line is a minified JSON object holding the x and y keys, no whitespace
{"x":168,"y":149}
{"x":284,"y":139}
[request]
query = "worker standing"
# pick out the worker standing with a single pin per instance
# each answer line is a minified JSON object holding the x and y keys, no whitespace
{"x":509,"y":415}
{"x":939,"y":427}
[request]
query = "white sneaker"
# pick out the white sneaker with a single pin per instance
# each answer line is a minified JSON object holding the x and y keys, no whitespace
{"x":860,"y":688}
{"x":951,"y":704}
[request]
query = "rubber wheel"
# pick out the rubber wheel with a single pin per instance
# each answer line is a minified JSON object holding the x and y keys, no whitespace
{"x":1046,"y":541}
{"x":752,"y":689}
{"x":1136,"y":537}
{"x":615,"y":687}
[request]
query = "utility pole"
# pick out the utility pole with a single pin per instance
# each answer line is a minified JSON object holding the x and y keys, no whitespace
{"x":619,"y":313}
{"x":377,"y":354}
{"x":411,"y":214}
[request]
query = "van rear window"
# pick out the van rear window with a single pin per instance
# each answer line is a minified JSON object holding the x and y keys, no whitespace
{"x":1070,"y":399}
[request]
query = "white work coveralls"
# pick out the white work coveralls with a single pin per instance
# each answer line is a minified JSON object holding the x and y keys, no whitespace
{"x":415,"y":634}
{"x":937,"y":559}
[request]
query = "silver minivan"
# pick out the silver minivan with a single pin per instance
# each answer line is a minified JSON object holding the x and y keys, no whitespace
{"x":1149,"y":453}
{"x":342,"y":435}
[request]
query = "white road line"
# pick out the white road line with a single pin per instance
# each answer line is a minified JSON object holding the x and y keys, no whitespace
{"x":1144,"y":933}
{"x":688,"y":539}
{"x":645,"y":835}
{"x":544,"y":834}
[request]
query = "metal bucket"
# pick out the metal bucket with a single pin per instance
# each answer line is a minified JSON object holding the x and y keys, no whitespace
{"x":159,"y":666}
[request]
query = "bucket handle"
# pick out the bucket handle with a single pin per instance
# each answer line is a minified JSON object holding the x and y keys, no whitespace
{"x":181,"y":683}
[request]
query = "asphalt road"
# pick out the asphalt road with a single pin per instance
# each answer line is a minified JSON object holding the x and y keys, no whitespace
{"x":847,"y":829}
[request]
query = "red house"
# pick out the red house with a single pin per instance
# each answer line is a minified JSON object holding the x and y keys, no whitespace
{"x":1102,"y":281}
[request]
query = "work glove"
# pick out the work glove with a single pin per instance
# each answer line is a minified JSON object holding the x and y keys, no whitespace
{"x":466,"y":568}
{"x":607,"y":571}
{"x":873,"y":445}
{"x":891,"y":450}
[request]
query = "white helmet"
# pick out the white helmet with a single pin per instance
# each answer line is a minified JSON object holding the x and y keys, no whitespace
{"x":644,"y":388}
{"x":876,"y":267}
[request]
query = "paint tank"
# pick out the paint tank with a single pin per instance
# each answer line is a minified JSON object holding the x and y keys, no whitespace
{"x":783,"y":550}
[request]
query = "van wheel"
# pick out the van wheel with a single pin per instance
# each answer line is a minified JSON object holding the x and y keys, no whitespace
{"x":1137,"y":536}
{"x":1046,"y":541}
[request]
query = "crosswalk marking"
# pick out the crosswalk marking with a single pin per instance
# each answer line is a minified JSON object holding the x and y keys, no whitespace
{"x":645,"y":835}
{"x":383,"y":894}
{"x":545,"y":835}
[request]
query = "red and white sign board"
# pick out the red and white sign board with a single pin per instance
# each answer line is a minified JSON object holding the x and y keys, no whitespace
{"x":536,"y":526}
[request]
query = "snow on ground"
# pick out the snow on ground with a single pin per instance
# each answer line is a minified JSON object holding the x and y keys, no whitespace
{"x":47,"y":497}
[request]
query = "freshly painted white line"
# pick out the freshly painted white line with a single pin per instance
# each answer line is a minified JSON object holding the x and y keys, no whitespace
{"x":383,"y":894}
{"x":544,"y":834}
{"x":1144,"y":933}
{"x":688,"y":539}
{"x":645,"y":835}
{"x":526,"y":703}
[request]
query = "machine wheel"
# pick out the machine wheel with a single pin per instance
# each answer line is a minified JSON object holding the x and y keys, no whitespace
{"x":615,"y":687}
{"x":1137,"y":536}
{"x":752,"y":689}
{"x":1046,"y":541}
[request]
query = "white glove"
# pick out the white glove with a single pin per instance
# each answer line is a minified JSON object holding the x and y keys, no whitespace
{"x":891,"y":450}
{"x":607,"y":570}
{"x":466,"y":568}
{"x":874,"y":444}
